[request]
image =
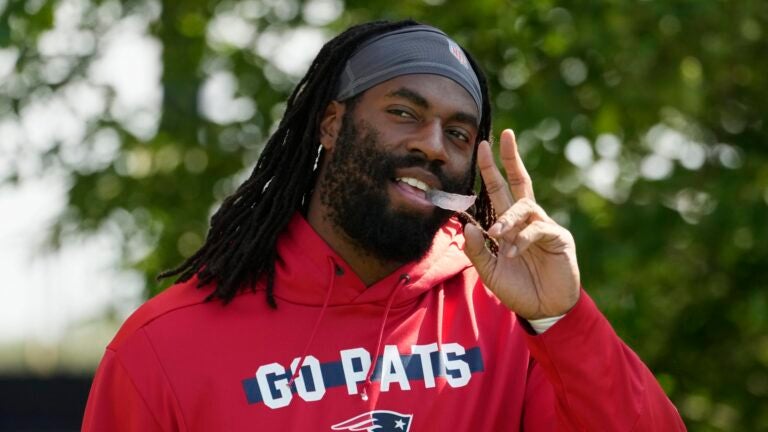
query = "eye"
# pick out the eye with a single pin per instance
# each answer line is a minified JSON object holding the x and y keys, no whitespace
{"x":402,"y":113}
{"x":459,"y":134}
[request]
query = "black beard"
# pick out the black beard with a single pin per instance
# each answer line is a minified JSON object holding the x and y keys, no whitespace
{"x":354,"y":191}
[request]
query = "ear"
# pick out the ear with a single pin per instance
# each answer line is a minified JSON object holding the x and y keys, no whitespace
{"x":330,"y":124}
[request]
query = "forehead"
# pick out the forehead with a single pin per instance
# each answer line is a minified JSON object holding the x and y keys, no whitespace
{"x":437,"y":91}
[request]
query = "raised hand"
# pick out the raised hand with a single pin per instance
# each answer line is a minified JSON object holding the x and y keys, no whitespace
{"x":535,"y":272}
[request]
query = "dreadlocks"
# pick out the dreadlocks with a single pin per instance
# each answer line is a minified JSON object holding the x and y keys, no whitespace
{"x":240,"y":247}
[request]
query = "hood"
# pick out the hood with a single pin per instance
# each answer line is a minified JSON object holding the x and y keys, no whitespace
{"x":302,"y":270}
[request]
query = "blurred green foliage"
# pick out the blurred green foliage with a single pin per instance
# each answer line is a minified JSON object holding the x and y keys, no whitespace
{"x":641,"y":122}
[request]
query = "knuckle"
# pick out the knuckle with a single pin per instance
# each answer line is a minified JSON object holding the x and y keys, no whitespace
{"x":517,"y":180}
{"x":527,"y":202}
{"x":508,"y":160}
{"x":485,"y":165}
{"x":519,"y":175}
{"x":528,"y":238}
{"x":512,"y":216}
{"x":540,"y":225}
{"x":522,"y":208}
{"x":505,"y":220}
{"x":523,"y":203}
{"x":536,"y":208}
{"x":508,"y":224}
{"x":536,"y":231}
{"x":494,"y":187}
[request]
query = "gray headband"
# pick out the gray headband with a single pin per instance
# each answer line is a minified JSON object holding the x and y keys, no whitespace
{"x":417,"y":49}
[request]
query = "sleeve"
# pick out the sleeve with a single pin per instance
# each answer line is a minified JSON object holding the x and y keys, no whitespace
{"x":593,"y":380}
{"x":130,"y":393}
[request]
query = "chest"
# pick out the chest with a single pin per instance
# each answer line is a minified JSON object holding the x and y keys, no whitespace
{"x":444,"y":363}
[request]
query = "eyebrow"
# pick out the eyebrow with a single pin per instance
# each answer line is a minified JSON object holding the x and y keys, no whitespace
{"x":421,"y":101}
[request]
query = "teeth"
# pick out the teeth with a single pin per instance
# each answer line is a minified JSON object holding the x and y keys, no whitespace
{"x":418,"y":184}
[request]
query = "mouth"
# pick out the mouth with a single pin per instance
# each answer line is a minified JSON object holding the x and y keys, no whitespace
{"x":413,"y":191}
{"x":414,"y":183}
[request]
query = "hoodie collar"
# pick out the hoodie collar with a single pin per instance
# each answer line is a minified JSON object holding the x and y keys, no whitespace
{"x":302,"y":272}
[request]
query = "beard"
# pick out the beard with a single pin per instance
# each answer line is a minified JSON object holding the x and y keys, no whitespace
{"x":355,"y":194}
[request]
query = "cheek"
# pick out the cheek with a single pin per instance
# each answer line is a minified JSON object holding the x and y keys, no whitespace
{"x":461,"y":162}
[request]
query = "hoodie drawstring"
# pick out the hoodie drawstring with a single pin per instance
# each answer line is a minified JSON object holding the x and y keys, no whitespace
{"x":404,"y":279}
{"x":317,"y":322}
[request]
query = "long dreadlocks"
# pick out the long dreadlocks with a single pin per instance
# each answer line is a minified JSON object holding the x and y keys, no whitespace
{"x":240,"y":247}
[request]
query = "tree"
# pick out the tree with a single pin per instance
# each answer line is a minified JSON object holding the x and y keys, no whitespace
{"x":641,"y":123}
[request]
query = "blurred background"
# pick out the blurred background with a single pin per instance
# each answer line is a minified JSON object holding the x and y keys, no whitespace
{"x":124,"y":124}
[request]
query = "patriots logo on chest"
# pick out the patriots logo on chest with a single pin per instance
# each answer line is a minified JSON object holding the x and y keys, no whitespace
{"x":378,"y":421}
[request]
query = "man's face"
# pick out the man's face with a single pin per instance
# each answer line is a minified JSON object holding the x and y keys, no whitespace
{"x":398,"y":137}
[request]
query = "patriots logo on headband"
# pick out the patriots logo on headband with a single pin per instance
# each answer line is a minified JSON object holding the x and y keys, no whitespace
{"x":377,"y":421}
{"x":458,"y":53}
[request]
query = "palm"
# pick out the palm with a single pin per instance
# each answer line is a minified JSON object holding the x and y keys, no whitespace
{"x":536,"y":284}
{"x":535,"y":272}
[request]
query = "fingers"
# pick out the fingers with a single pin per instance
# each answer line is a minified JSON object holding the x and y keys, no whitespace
{"x":522,"y":213}
{"x":482,"y":259}
{"x":519,"y":180}
{"x":550,"y":237}
{"x":501,"y":198}
{"x":517,"y":185}
{"x":526,"y":223}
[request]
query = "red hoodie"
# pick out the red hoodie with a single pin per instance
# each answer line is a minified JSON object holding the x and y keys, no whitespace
{"x":449,"y":356}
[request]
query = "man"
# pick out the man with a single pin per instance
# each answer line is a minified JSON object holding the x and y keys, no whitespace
{"x":333,"y":295}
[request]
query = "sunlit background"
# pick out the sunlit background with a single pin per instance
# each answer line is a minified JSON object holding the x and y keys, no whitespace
{"x":61,"y":306}
{"x":123,"y":125}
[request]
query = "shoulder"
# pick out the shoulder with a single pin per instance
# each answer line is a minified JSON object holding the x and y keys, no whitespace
{"x":164,"y":305}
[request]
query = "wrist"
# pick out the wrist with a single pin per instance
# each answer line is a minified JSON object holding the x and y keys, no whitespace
{"x":543,"y":324}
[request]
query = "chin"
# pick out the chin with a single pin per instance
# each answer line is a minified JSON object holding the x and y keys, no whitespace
{"x":398,"y":235}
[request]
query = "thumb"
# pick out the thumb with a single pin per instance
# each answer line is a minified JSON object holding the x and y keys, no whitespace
{"x":475,"y":250}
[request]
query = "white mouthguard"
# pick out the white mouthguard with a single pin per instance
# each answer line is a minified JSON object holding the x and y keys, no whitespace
{"x":450,"y":201}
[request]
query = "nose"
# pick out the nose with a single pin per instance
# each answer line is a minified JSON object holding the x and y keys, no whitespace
{"x":430,"y":141}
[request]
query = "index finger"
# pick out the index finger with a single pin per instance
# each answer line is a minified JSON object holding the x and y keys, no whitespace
{"x":497,"y":188}
{"x":517,"y":176}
